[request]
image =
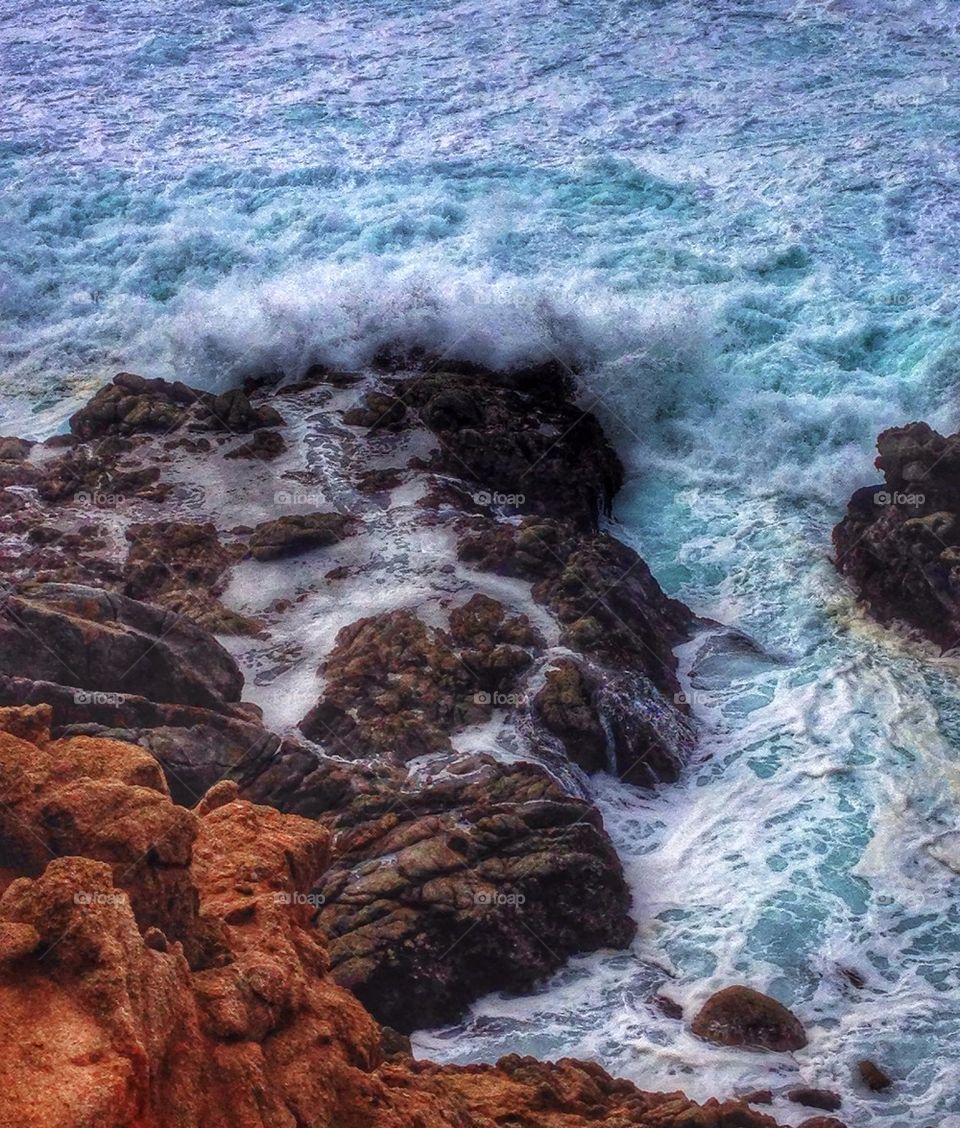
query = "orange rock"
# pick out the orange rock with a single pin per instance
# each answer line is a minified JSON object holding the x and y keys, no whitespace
{"x":167,"y":975}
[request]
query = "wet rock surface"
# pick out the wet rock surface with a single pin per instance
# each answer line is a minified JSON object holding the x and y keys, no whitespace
{"x":899,"y":543}
{"x":492,"y":646}
{"x":741,"y":1016}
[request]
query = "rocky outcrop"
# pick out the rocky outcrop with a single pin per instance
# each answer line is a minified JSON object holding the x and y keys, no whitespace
{"x":741,"y":1016}
{"x":899,"y":543}
{"x":213,"y":1007}
{"x":105,"y":643}
{"x":446,"y":741}
{"x":397,"y":688}
{"x":446,"y":888}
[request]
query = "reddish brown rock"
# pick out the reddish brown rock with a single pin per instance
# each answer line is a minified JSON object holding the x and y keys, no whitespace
{"x":873,"y":1076}
{"x":125,"y":1033}
{"x":741,"y":1016}
{"x":815,"y":1098}
{"x":298,"y":532}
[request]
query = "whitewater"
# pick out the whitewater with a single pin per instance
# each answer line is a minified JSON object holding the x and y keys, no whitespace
{"x":738,"y":221}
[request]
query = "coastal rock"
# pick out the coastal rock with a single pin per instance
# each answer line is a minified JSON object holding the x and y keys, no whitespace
{"x":873,"y":1076}
{"x":195,"y":747}
{"x":565,"y":706}
{"x":486,"y":877}
{"x":534,"y":448}
{"x":133,"y":405}
{"x":815,"y":1098}
{"x":741,"y":1016}
{"x":184,"y":566}
{"x":102,"y":642}
{"x":899,"y":543}
{"x":263,"y":447}
{"x":397,"y":688}
{"x":299,"y":532}
{"x":553,"y":645}
{"x":126,"y":1029}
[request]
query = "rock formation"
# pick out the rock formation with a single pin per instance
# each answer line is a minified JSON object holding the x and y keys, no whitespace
{"x":163,"y":963}
{"x":203,"y":909}
{"x":899,"y":543}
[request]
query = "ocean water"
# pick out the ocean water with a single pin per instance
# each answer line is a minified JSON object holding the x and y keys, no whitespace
{"x":739,"y":220}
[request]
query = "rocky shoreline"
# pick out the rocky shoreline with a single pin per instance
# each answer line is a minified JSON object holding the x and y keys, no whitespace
{"x":366,"y":793}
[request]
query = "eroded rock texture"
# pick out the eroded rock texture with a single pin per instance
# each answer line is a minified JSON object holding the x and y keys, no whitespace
{"x":211,"y":1006}
{"x":441,"y":735}
{"x":899,"y":543}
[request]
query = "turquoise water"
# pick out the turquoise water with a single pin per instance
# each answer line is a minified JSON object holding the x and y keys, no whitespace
{"x":740,"y":220}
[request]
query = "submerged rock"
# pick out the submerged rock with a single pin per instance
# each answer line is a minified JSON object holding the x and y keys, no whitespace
{"x":873,"y":1076}
{"x":815,"y":1098}
{"x":741,"y":1016}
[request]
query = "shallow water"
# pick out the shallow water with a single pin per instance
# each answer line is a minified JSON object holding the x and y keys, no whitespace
{"x":740,"y":220}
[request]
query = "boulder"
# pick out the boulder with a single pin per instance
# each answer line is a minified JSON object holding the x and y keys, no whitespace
{"x":873,"y":1076}
{"x":106,"y":643}
{"x":741,"y":1016}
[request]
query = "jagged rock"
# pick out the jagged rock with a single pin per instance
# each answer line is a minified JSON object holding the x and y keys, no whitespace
{"x":486,"y":877}
{"x":397,"y":688}
{"x":741,"y":1016}
{"x":233,"y":411}
{"x":14,"y":449}
{"x":133,"y":404}
{"x":194,"y":746}
{"x":125,"y":1032}
{"x":183,"y":566}
{"x":899,"y":543}
{"x":95,"y":474}
{"x":534,"y":447}
{"x":565,"y":706}
{"x":165,"y":556}
{"x":100,"y":799}
{"x":378,"y":411}
{"x":263,"y":447}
